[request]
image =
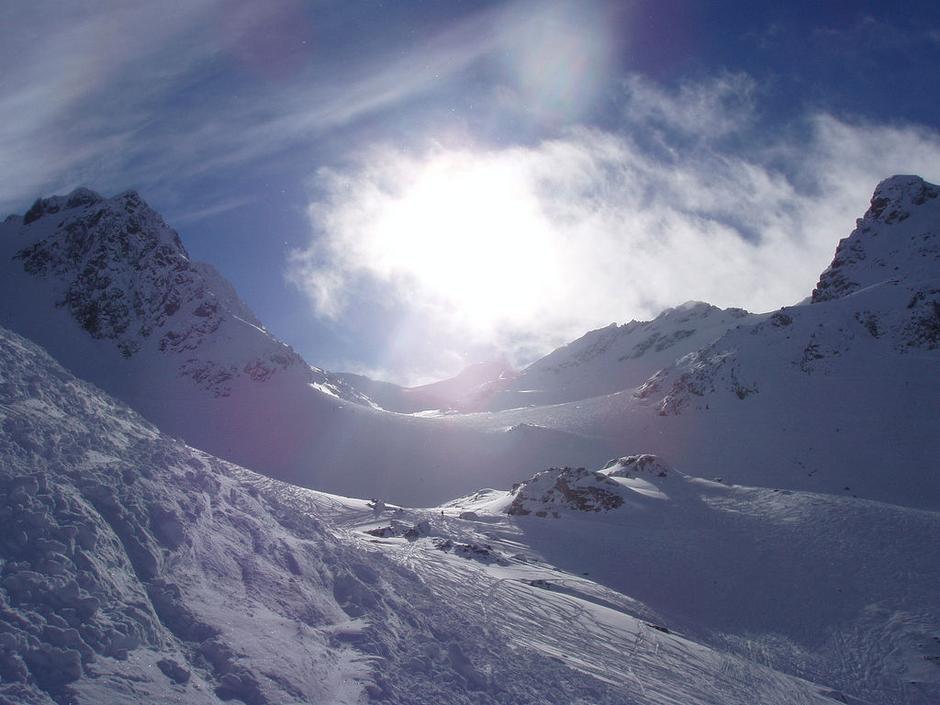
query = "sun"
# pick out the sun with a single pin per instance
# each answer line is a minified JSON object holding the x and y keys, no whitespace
{"x":467,"y":233}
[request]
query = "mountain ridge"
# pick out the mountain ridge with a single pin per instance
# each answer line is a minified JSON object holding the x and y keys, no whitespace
{"x":296,"y":427}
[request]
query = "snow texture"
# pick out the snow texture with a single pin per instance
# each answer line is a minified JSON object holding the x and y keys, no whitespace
{"x":134,"y":568}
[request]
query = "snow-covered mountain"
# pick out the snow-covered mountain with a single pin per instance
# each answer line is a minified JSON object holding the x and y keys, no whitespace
{"x":152,"y":321}
{"x":617,"y":357}
{"x":840,"y":394}
{"x":803,"y":570}
{"x":624,"y":356}
{"x":600,"y":362}
{"x":136,"y":569}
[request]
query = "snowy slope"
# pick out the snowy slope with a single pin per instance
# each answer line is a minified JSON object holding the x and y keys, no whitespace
{"x":136,"y":569}
{"x":471,"y":390}
{"x":617,"y":357}
{"x":834,"y":589}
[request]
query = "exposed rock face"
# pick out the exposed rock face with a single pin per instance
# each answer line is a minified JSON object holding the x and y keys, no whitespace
{"x":123,"y":273}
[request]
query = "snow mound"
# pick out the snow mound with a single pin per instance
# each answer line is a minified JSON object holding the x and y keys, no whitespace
{"x":623,"y":483}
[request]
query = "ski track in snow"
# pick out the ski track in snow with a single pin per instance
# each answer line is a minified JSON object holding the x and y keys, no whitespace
{"x":568,"y":618}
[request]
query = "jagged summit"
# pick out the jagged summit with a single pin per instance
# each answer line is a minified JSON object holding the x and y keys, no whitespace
{"x":894,"y":197}
{"x":125,"y":278}
{"x":897,"y":238}
{"x":76,"y":199}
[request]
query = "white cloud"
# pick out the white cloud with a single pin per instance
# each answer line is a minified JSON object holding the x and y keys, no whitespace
{"x":591,"y":228}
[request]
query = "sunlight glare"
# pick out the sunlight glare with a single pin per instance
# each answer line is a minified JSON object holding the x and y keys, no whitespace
{"x":469,"y":234}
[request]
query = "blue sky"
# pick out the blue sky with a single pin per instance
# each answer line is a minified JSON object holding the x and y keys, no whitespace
{"x":402,"y":188}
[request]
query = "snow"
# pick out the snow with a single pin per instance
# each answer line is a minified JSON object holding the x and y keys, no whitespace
{"x":835,"y":589}
{"x":137,"y":568}
{"x":615,"y":358}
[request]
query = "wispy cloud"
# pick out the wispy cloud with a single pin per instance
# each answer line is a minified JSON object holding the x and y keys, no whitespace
{"x":217,"y":208}
{"x":140,"y":94}
{"x":77,"y":83}
{"x":708,"y":109}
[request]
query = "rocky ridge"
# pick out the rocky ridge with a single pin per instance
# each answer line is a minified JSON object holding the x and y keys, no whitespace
{"x":880,"y":296}
{"x":125,"y":277}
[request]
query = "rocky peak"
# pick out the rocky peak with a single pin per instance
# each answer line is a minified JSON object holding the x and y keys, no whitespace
{"x":46,"y":206}
{"x":895,"y":197}
{"x":126,"y":278}
{"x":117,"y":266}
{"x":898,"y":238}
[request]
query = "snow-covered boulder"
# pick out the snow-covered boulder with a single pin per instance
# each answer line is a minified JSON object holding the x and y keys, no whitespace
{"x":643,"y":465}
{"x":570,"y":489}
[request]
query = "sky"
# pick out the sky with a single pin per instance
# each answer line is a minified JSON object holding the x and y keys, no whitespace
{"x":403,"y":188}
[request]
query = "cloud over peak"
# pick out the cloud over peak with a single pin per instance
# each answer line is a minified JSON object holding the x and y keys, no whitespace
{"x":520,"y":249}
